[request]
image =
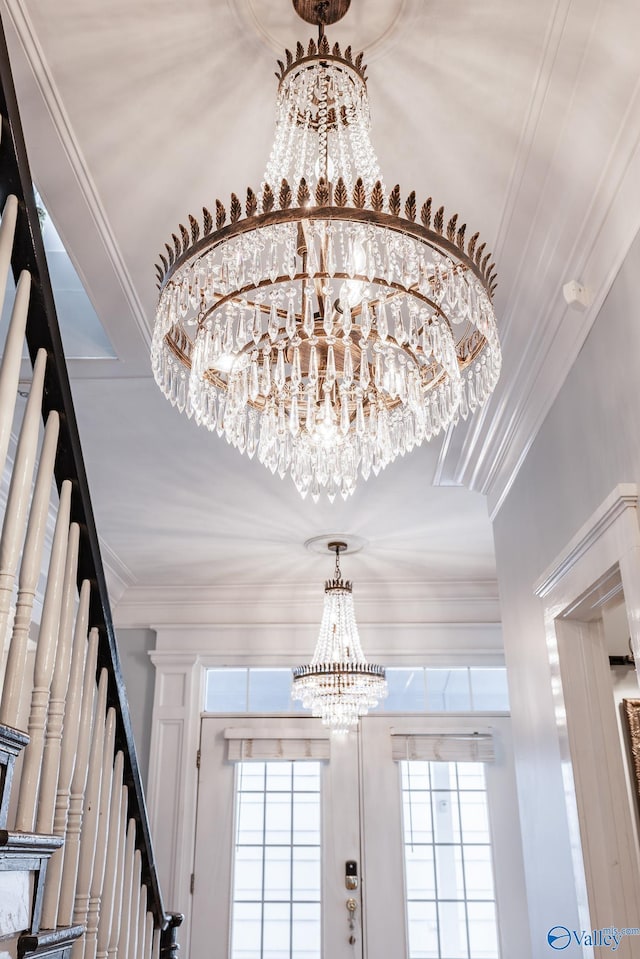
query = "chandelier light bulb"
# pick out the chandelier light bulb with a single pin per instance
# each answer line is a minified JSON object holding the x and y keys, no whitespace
{"x":327,"y":325}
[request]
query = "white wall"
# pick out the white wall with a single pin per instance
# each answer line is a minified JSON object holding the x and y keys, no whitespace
{"x":588,"y":444}
{"x":134,"y":646}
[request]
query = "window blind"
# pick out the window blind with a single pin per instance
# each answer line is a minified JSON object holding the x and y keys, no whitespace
{"x":444,"y":747}
{"x":243,"y":744}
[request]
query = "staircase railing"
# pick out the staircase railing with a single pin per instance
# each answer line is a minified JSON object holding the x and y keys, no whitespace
{"x":80,"y":778}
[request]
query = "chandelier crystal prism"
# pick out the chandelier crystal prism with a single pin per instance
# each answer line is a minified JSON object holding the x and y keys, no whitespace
{"x":339,"y":685}
{"x":329,"y":325}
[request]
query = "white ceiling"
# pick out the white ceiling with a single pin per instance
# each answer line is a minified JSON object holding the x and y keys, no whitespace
{"x":523,"y":118}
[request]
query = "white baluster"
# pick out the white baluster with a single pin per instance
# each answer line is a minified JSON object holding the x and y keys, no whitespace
{"x":11,"y":359}
{"x":127,"y":887}
{"x":7,"y":233}
{"x":58,"y":691}
{"x":148,"y":936}
{"x":71,"y":846}
{"x":14,"y":678}
{"x":69,"y":745}
{"x":142,"y":923}
{"x":20,"y":491}
{"x":114,"y":928}
{"x":116,"y":817}
{"x":135,"y":905}
{"x":118,"y":907}
{"x":155,"y":948}
{"x":90,"y":818}
{"x":101,"y":839}
{"x":45,"y":658}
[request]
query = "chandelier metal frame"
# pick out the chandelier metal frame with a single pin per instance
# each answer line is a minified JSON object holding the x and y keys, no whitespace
{"x":250,"y":337}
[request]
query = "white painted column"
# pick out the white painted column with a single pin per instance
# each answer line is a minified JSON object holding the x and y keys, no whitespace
{"x":173,"y":773}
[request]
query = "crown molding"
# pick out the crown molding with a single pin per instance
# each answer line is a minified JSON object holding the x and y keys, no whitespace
{"x":624,"y":497}
{"x":118,"y":575}
{"x":552,"y":230}
{"x":470,"y":601}
{"x":35,"y":58}
{"x":284,"y":644}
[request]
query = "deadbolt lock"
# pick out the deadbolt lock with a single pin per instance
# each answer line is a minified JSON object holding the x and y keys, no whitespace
{"x":351,"y":874}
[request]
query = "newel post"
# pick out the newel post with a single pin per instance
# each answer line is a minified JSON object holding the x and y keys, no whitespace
{"x":169,"y":946}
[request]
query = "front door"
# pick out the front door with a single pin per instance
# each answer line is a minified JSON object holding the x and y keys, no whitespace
{"x":355,"y":847}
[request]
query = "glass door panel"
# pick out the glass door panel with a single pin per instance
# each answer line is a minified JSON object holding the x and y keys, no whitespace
{"x":272,"y":839}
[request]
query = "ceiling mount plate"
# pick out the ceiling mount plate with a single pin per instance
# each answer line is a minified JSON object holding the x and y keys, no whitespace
{"x":327,"y":543}
{"x":321,"y":12}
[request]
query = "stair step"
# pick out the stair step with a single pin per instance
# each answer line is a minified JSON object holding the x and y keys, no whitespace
{"x":12,"y":741}
{"x":23,"y":866}
{"x":54,"y":943}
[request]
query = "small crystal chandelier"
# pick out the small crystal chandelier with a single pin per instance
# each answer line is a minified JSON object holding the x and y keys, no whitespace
{"x":328,"y":326}
{"x":339,"y":685}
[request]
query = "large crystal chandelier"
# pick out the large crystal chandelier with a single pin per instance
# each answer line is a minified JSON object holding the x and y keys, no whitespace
{"x":329,"y":324}
{"x":339,"y":685}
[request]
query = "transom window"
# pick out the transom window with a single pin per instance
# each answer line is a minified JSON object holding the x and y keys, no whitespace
{"x":414,"y":689}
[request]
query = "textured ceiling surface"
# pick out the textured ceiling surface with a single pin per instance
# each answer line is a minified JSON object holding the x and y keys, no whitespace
{"x":523,"y":118}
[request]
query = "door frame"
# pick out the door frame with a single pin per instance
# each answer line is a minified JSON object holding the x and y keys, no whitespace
{"x":603,"y":557}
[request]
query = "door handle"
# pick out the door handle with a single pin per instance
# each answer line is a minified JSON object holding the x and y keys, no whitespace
{"x":352,"y":905}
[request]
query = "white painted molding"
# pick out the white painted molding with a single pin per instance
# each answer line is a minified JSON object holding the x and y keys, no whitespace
{"x":604,"y":552}
{"x":596,"y":226}
{"x":472,"y":601}
{"x":623,"y":497}
{"x":284,"y":645}
{"x":35,"y":57}
{"x":118,"y":575}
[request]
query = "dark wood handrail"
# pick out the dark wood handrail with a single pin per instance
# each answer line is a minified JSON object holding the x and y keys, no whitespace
{"x":43,"y":331}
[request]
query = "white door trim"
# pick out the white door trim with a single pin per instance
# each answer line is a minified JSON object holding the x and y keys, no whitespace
{"x":606,"y":860}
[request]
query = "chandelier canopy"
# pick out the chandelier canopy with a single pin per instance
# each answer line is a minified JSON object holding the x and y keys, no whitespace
{"x":339,"y":685}
{"x":330,"y":324}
